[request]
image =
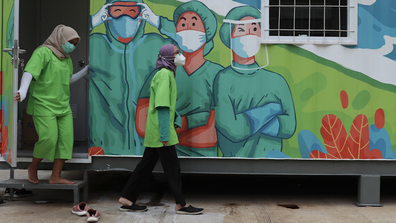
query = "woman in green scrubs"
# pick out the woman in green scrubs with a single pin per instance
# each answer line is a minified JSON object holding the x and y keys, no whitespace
{"x":48,"y":74}
{"x":161,"y":137}
{"x":193,"y":27}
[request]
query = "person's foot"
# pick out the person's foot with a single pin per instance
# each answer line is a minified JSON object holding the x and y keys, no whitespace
{"x":59,"y":180}
{"x":189,"y":210}
{"x":32,"y":174}
{"x":133,"y":207}
{"x":125,"y":201}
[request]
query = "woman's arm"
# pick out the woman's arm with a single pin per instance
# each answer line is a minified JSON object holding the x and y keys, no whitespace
{"x":25,"y":82}
{"x":77,"y":76}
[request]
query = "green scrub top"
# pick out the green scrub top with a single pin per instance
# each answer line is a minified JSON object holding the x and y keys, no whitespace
{"x":49,"y":89}
{"x":163,"y":94}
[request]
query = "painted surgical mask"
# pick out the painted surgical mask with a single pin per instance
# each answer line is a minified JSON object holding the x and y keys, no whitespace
{"x":191,"y":40}
{"x":180,"y":60}
{"x":246,"y":46}
{"x":124,"y":26}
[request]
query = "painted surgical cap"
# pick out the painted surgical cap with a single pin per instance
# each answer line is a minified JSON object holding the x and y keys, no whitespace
{"x":236,"y":14}
{"x":207,"y":16}
{"x":112,"y":1}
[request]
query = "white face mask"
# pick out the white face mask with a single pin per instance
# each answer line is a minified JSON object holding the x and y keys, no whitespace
{"x":190,"y":40}
{"x":180,"y":60}
{"x":246,"y":46}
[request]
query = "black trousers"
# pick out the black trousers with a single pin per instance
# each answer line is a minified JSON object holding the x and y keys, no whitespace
{"x":170,"y":165}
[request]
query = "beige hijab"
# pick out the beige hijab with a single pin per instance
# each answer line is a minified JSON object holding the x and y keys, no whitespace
{"x":58,"y":37}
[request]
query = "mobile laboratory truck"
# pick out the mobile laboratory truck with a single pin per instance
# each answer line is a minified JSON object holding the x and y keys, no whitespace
{"x":270,"y":87}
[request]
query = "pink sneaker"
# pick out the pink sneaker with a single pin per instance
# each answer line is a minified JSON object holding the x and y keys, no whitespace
{"x":80,"y":209}
{"x":93,"y":215}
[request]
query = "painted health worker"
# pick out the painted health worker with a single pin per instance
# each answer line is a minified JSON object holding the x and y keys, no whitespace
{"x":49,"y":73}
{"x":193,"y":28}
{"x":161,"y":137}
{"x":120,"y":62}
{"x":254,"y":107}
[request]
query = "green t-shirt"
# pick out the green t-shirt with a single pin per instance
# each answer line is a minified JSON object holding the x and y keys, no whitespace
{"x":163,"y":93}
{"x":49,"y":89}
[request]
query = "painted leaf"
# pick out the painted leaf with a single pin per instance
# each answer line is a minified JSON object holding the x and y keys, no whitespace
{"x":308,"y":143}
{"x":335,"y":137}
{"x":320,"y":155}
{"x":359,"y":140}
{"x":95,"y":151}
{"x":380,"y":139}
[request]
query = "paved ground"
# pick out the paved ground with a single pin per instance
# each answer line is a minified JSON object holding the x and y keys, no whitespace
{"x":231,"y":199}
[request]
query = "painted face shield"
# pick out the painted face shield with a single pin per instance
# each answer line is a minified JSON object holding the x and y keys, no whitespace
{"x":244,"y":42}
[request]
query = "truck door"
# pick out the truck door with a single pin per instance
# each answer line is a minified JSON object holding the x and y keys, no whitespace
{"x":9,"y":77}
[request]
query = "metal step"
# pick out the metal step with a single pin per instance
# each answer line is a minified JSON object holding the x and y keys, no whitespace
{"x":44,"y":184}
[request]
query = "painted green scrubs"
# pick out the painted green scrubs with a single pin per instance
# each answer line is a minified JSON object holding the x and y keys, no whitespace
{"x":117,"y":73}
{"x":194,"y":99}
{"x":49,"y":104}
{"x":163,"y":94}
{"x":237,"y":91}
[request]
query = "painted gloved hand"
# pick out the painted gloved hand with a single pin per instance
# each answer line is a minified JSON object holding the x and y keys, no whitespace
{"x":149,"y":16}
{"x":100,"y":16}
{"x":271,"y":128}
{"x":260,"y":116}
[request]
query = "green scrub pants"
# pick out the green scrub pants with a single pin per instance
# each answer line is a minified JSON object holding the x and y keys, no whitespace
{"x":55,"y":137}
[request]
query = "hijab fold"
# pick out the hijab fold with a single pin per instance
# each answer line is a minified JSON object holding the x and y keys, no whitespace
{"x":166,"y":58}
{"x":59,"y":36}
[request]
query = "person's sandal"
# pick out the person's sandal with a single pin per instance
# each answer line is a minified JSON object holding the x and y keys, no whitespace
{"x":190,"y":210}
{"x":133,"y":207}
{"x":80,"y":209}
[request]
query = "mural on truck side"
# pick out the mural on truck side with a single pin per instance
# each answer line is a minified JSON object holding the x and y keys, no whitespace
{"x":238,"y":97}
{"x":6,"y":79}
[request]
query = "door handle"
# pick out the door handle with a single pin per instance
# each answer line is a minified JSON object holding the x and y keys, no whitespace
{"x":81,"y":63}
{"x":15,"y":51}
{"x":21,"y":51}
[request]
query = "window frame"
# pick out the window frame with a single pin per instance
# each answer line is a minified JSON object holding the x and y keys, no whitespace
{"x":352,"y":29}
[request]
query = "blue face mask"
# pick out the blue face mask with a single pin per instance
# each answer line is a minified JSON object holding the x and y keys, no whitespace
{"x":68,"y":47}
{"x":124,"y":26}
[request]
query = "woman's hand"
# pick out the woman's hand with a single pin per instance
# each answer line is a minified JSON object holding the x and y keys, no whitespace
{"x":164,"y":143}
{"x":17,"y":97}
{"x":177,"y":127}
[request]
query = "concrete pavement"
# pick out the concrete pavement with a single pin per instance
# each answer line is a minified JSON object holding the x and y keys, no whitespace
{"x":232,"y":199}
